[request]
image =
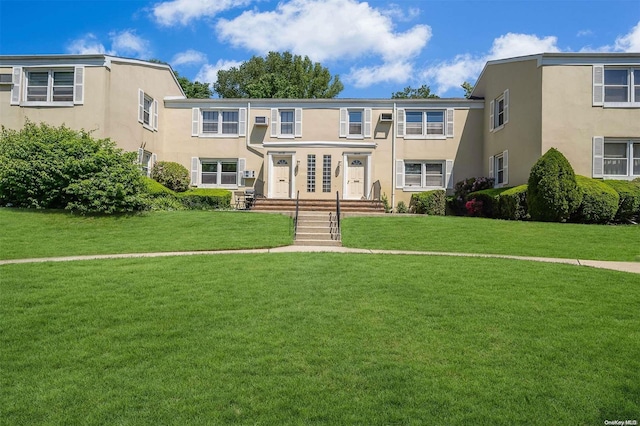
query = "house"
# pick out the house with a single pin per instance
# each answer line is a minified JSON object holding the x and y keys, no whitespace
{"x":585,"y":105}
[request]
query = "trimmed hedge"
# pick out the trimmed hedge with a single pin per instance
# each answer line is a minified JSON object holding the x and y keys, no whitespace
{"x":205,"y":199}
{"x":489,"y":199}
{"x":553,"y":194}
{"x":463,"y":188}
{"x":156,"y":189}
{"x":429,"y":202}
{"x":629,"y":192}
{"x":599,"y":201}
{"x":512,"y":204}
{"x":174,"y":176}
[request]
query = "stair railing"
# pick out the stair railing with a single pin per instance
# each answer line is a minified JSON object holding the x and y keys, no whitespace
{"x":295,"y":219}
{"x":334,"y":220}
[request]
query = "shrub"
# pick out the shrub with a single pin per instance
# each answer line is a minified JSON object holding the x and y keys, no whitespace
{"x":402,"y":207}
{"x":58,"y":168}
{"x":156,"y":189}
{"x":205,"y":199}
{"x":629,"y":192}
{"x":385,"y":203}
{"x":172,"y":175}
{"x":429,"y":202}
{"x":553,"y":194}
{"x":474,"y":207}
{"x":463,"y":188}
{"x":489,"y":199}
{"x":512,"y":204}
{"x":166,"y":202}
{"x":599,"y":201}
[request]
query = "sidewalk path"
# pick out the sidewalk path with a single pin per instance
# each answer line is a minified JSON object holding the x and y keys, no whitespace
{"x":633,"y":267}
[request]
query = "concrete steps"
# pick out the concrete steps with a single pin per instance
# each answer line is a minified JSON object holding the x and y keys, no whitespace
{"x":346,"y":206}
{"x":314,"y":229}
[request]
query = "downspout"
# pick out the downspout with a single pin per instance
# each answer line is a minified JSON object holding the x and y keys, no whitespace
{"x":393,"y":157}
{"x":246,"y":126}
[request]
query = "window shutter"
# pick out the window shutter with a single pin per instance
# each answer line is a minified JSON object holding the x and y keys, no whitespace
{"x":155,"y":114}
{"x":491,"y":112}
{"x":450,"y":113}
{"x":344,"y":117}
{"x":399,"y":173}
{"x":598,"y":156}
{"x":505,"y":168}
{"x":367,"y":123}
{"x":194,"y":170}
{"x":241,"y":166}
{"x":298,"y":123}
{"x":140,"y":105}
{"x":17,"y":84}
{"x":195,"y":121}
{"x":140,"y":155}
{"x":242,"y":121}
{"x":598,"y":85}
{"x":154,"y":160}
{"x":275,"y":122}
{"x":400,"y":123}
{"x":78,"y":86}
{"x":449,"y":174}
{"x":491,"y":165}
{"x":506,"y":106}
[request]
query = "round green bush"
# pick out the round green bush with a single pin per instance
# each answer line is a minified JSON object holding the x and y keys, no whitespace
{"x":629,"y":192}
{"x":156,"y":189}
{"x":174,"y":176}
{"x":512,"y":203}
{"x":599,"y":201}
{"x":552,"y":193}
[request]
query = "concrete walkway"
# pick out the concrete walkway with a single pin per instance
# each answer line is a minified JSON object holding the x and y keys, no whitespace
{"x":633,"y":267}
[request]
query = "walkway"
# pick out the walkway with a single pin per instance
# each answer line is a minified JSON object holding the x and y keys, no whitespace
{"x":633,"y":267}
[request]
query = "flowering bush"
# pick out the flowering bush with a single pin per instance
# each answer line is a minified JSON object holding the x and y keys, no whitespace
{"x":474,"y":207}
{"x":463,"y":188}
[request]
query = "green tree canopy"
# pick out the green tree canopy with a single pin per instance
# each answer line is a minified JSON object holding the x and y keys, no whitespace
{"x":194,"y":89}
{"x":422,"y":92}
{"x":278,"y":75}
{"x":468,"y":88}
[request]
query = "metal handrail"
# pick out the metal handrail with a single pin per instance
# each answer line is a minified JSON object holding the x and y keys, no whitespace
{"x":334,"y":223}
{"x":295,"y":219}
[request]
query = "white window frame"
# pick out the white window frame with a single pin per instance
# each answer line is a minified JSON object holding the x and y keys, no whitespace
{"x":600,"y":86}
{"x":276,"y":123}
{"x":447,"y":123}
{"x":632,"y":154}
{"x":495,"y":113}
{"x":445,"y":175}
{"x":146,"y":160}
{"x":345,"y":123}
{"x":311,"y":173}
{"x":198,"y":122}
{"x":197,"y":172}
{"x":20,"y":86}
{"x":495,"y":170}
{"x":147,"y":109}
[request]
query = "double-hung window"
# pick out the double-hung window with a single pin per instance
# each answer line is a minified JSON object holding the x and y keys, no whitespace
{"x":355,"y":123}
{"x":621,"y":158}
{"x":220,"y":173}
{"x":218,"y":122}
{"x":499,"y":168}
{"x":424,"y":174}
{"x":499,"y":111}
{"x":47,"y":87}
{"x":616,"y":86}
{"x":425,"y":124}
{"x":286,"y":122}
{"x":147,"y":110}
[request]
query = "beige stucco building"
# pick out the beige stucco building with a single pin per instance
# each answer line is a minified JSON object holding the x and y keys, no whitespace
{"x":586,"y":105}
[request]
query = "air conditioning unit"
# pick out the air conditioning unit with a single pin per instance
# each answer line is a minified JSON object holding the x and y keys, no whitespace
{"x":261,"y":120}
{"x":386,"y":116}
{"x":249,"y":174}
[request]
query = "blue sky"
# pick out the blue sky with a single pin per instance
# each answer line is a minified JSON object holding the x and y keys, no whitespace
{"x":377,"y":47}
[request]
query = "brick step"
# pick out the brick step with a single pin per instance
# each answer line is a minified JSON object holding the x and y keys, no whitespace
{"x":331,"y":243}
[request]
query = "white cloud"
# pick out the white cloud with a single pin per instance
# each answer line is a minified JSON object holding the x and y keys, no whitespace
{"x":629,"y":42}
{"x":128,"y":43}
{"x":189,"y":57}
{"x":182,"y":12}
{"x":584,"y":33}
{"x":86,"y":45}
{"x":391,"y":72}
{"x":209,"y":73}
{"x":451,"y":74}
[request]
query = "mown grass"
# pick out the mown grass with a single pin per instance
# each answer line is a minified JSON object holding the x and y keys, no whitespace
{"x":476,"y":235}
{"x":317,"y":339}
{"x":31,"y":233}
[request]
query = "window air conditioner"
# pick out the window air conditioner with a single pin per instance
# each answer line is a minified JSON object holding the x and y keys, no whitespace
{"x":261,"y":120}
{"x":386,"y":116}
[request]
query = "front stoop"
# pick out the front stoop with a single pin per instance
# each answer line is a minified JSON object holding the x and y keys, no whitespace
{"x":314,"y":230}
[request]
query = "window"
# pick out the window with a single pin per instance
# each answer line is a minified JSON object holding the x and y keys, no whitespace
{"x":425,"y":124}
{"x":499,"y":111}
{"x":621,"y":158}
{"x":424,"y":174}
{"x":286,"y":123}
{"x":209,"y":122}
{"x":326,"y":173}
{"x":147,"y":110}
{"x":146,"y":160}
{"x":51,"y":87}
{"x":499,"y":168}
{"x":311,"y":173}
{"x":219,"y":173}
{"x":355,"y":123}
{"x":616,"y":86}
{"x":148,"y":104}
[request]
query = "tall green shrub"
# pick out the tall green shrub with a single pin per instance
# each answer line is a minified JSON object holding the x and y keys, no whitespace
{"x":42,"y":166}
{"x":553,"y":194}
{"x":174,"y":176}
{"x":429,"y":202}
{"x":599,"y":201}
{"x":629,"y":192}
{"x":512,"y":204}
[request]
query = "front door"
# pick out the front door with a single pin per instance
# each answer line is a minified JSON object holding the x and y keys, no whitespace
{"x":355,"y":178}
{"x":281,"y":177}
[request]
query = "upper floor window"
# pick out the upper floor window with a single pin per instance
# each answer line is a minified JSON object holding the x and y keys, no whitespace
{"x":616,"y":86}
{"x":499,"y":111}
{"x":47,"y":87}
{"x":147,"y":110}
{"x":425,"y":124}
{"x":286,"y":123}
{"x":218,"y":122}
{"x":355,"y":122}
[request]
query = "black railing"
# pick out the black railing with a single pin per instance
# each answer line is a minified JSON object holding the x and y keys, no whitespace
{"x":334,"y":221}
{"x":295,"y":219}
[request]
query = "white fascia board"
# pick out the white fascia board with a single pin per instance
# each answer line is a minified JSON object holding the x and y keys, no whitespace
{"x":319,"y":144}
{"x":52,"y":61}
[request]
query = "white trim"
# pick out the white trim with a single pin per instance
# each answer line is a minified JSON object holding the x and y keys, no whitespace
{"x":140,"y":106}
{"x":598,"y":156}
{"x":275,"y":122}
{"x":598,"y":85}
{"x":505,"y":111}
{"x":319,"y":144}
{"x":195,"y":121}
{"x":492,"y":108}
{"x":78,"y":86}
{"x":195,"y":170}
{"x":297,"y":122}
{"x":491,"y":167}
{"x":366,"y":123}
{"x":155,"y":115}
{"x":344,"y":120}
{"x":16,"y":88}
{"x":448,"y":180}
{"x":505,"y":168}
{"x":242,"y":122}
{"x":399,"y":174}
{"x":450,"y":125}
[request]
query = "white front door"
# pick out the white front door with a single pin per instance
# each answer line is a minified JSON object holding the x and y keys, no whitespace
{"x":281,"y":177}
{"x":356,"y":178}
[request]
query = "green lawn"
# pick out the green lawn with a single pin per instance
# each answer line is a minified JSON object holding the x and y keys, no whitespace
{"x":32,"y":233}
{"x":317,"y":339}
{"x":476,"y":235}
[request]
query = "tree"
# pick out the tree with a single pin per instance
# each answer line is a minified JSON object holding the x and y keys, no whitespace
{"x":194,"y":89}
{"x":278,"y":75}
{"x":422,"y":92}
{"x":468,"y":88}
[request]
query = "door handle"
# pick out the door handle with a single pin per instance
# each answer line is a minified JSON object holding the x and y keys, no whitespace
{"x":282,"y":180}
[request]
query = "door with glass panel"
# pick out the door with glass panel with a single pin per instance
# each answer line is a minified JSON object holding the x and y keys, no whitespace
{"x":356,"y":178}
{"x":281,"y":180}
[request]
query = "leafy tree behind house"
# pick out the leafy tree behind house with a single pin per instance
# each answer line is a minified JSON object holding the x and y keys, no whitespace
{"x":422,"y":92}
{"x":194,"y":89}
{"x":468,"y":88}
{"x":278,"y":75}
